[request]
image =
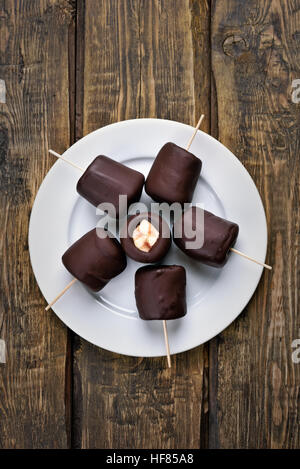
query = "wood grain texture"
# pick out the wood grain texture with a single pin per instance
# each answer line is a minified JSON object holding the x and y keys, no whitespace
{"x":254,"y":385}
{"x":139,"y":61}
{"x":34,"y":65}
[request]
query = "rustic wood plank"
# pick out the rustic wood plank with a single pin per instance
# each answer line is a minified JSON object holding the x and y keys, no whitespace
{"x":253,"y":382}
{"x":34,"y":65}
{"x":142,"y":58}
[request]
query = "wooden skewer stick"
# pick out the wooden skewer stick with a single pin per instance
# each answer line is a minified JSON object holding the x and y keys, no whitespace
{"x":61,"y":294}
{"x":64,"y":159}
{"x":74,"y":279}
{"x":167,"y":342}
{"x":250,"y":258}
{"x":195,"y":131}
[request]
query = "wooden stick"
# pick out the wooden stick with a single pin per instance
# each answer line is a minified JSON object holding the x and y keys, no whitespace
{"x":167,"y":343}
{"x":195,"y":131}
{"x":61,"y":294}
{"x":64,"y":159}
{"x":250,"y":258}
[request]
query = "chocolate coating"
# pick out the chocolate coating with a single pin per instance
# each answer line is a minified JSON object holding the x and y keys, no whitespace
{"x":95,"y":261}
{"x":158,"y":250}
{"x":219,"y":236}
{"x":173,"y":175}
{"x":105,"y":179}
{"x":160,"y":292}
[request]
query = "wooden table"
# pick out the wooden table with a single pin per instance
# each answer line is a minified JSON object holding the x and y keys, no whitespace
{"x":70,"y":67}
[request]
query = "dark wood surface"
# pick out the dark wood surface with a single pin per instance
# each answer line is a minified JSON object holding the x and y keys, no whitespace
{"x":73,"y":66}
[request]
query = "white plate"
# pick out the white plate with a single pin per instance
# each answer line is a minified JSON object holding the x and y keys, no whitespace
{"x":215,"y":297}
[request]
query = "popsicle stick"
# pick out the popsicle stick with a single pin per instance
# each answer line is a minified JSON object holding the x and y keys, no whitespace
{"x":250,"y":258}
{"x":195,"y":131}
{"x":64,"y":159}
{"x":61,"y":294}
{"x":167,"y":343}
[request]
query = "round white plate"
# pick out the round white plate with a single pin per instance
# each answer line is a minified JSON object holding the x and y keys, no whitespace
{"x":109,"y":319}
